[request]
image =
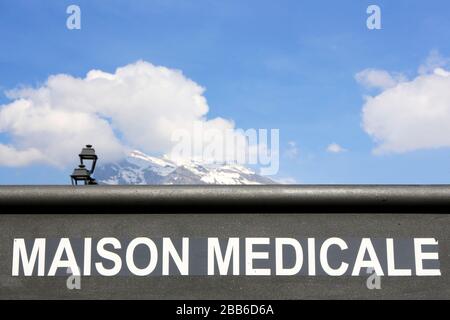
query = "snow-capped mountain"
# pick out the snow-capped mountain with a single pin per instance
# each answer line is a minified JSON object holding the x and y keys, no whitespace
{"x":141,"y":169}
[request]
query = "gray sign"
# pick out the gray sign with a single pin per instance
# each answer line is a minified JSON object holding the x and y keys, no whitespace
{"x":31,"y":221}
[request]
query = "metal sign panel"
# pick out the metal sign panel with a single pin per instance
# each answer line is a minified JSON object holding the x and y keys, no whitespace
{"x":277,"y":242}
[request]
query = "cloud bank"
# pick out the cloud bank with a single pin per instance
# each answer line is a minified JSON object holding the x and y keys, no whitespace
{"x":381,"y":79}
{"x":335,"y":148}
{"x":136,"y":107}
{"x":411,"y":114}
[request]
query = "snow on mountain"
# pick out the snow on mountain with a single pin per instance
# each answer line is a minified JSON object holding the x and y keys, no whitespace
{"x":141,"y":169}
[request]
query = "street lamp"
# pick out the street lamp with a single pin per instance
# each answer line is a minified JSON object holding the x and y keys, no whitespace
{"x":81,"y":174}
{"x":88,"y":153}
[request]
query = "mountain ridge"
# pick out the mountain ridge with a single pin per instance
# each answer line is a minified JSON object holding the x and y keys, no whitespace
{"x":139,"y":168}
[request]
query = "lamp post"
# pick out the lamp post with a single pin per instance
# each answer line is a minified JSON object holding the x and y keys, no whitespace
{"x":88,"y":153}
{"x":81,"y":173}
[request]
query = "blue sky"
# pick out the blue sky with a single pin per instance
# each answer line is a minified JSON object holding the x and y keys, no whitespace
{"x":265,"y":64}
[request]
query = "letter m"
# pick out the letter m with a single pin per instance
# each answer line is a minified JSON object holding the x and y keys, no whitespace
{"x":223,"y":263}
{"x":28,"y":263}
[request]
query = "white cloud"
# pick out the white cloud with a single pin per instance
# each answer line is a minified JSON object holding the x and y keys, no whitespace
{"x":434,"y":61}
{"x":138,"y":106}
{"x":381,"y":79}
{"x":335,"y":148}
{"x":410,"y":116}
{"x":292,"y":150}
{"x":287,"y":180}
{"x":14,"y":158}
